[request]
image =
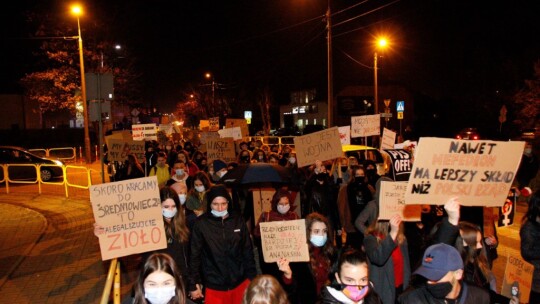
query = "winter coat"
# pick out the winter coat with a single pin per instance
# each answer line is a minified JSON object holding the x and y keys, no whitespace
{"x":530,"y":249}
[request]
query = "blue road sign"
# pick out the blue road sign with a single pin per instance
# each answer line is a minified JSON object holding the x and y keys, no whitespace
{"x":400,"y":106}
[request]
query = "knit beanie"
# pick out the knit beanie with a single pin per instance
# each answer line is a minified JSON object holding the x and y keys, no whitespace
{"x":218,"y":165}
{"x":215,"y":191}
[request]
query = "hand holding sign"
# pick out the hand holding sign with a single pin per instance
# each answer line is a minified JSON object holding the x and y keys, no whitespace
{"x":452,"y":209}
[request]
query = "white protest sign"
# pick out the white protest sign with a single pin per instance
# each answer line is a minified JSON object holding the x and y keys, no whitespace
{"x":284,"y":239}
{"x":388,"y":139}
{"x":234,"y":133}
{"x":238,"y":122}
{"x":365,"y":125}
{"x":322,"y":145}
{"x":144,"y":132}
{"x":392,"y":201}
{"x":479,"y":172}
{"x":130,"y":213}
{"x":517,"y":270}
{"x":345,"y":135}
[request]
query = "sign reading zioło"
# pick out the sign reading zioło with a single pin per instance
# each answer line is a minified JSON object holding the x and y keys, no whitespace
{"x":478,"y":172}
{"x":130,"y":213}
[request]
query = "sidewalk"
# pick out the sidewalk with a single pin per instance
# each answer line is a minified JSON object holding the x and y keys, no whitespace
{"x":49,"y":251}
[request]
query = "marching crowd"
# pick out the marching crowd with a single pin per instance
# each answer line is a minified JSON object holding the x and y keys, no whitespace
{"x":214,"y":253}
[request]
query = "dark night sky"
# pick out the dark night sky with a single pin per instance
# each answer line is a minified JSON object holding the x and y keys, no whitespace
{"x":449,"y":50}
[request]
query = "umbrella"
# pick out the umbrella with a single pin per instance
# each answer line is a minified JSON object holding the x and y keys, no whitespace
{"x":256,"y":173}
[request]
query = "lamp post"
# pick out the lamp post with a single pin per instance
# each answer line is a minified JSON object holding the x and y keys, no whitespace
{"x":210,"y":76}
{"x":329,"y":60}
{"x":381,"y":44}
{"x":77,"y":10}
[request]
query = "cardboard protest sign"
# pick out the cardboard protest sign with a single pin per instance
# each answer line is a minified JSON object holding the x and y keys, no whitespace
{"x":130,"y":213}
{"x":365,"y":125}
{"x":206,"y":136}
{"x":284,"y":239}
{"x":401,"y":164}
{"x":262,"y":201}
{"x":322,"y":145}
{"x":144,"y":132}
{"x":388,"y":139}
{"x":167,"y":128}
{"x":221,"y":148}
{"x":234,"y":133}
{"x":345,"y":135}
{"x":517,"y":270}
{"x":392,"y":201}
{"x":238,"y":122}
{"x":118,"y":150}
{"x":213,"y":124}
{"x":479,"y":172}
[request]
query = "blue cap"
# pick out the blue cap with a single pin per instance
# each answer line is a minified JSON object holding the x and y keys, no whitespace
{"x":438,"y":260}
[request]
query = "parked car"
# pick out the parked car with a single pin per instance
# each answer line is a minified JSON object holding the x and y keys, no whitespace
{"x":312,"y":128}
{"x":18,"y":155}
{"x":468,"y":133}
{"x":529,"y":134}
{"x":286,"y":132}
{"x":363,"y":153}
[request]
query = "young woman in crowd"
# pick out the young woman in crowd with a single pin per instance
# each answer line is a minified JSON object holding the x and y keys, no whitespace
{"x":265,"y":289}
{"x":191,"y":167}
{"x":353,"y":284}
{"x":133,"y":168}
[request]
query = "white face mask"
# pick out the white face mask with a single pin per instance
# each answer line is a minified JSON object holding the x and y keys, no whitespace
{"x":292,"y":160}
{"x":283,"y":208}
{"x":160,"y":295}
{"x":168,"y":213}
{"x":527,"y":151}
{"x":179,"y":172}
{"x":199,"y":188}
{"x":219,"y":213}
{"x":221,"y":173}
{"x":182,"y":198}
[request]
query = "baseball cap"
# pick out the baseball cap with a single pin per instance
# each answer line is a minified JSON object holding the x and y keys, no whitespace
{"x":438,"y":260}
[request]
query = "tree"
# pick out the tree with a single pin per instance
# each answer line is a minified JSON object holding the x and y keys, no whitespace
{"x":527,"y":101}
{"x":264,"y":103}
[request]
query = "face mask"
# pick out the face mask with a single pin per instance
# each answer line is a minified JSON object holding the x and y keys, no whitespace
{"x":283,"y":208}
{"x":292,"y":160}
{"x":219,"y":213}
{"x":159,"y":295}
{"x":343,"y":168}
{"x":321,"y":176}
{"x":370,"y":172}
{"x":355,"y":293}
{"x":318,"y":240}
{"x":527,"y":151}
{"x":261,"y":157}
{"x":221,"y":173}
{"x":168,"y":213}
{"x":439,"y":290}
{"x":182,"y":198}
{"x":179,"y":172}
{"x":199,"y":188}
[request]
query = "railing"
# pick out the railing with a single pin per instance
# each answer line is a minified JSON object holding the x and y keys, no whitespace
{"x":276,"y":140}
{"x":65,"y":154}
{"x":113,"y":274}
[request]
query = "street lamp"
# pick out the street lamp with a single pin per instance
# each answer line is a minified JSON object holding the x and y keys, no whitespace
{"x":210,"y":76}
{"x":382,"y":43}
{"x":77,"y":10}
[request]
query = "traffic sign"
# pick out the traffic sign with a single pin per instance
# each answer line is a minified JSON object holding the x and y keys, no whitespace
{"x":387,"y":115}
{"x":399,"y":115}
{"x":400,"y":106}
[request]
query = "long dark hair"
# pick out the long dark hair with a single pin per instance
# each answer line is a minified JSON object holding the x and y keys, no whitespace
{"x":534,"y":208}
{"x":328,"y":249}
{"x":178,"y":222}
{"x":468,"y":234}
{"x":160,"y":262}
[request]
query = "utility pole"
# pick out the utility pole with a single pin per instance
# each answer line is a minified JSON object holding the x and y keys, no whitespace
{"x":329,"y":59}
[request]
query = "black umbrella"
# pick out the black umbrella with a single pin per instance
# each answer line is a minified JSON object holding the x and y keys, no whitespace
{"x":256,"y":173}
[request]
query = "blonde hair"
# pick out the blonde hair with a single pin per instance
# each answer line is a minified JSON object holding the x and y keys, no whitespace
{"x":265,"y":289}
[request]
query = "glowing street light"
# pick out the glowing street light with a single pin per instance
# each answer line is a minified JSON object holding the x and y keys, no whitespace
{"x":381,"y":44}
{"x":77,"y":11}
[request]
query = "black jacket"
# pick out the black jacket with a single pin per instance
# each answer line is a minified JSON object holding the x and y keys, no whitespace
{"x":468,"y":295}
{"x":328,"y":298}
{"x":221,"y":251}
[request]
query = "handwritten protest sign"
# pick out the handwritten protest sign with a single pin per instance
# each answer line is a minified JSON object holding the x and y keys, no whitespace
{"x":206,"y":136}
{"x":118,"y":149}
{"x":345,"y":135}
{"x":144,"y":132}
{"x":479,"y":172}
{"x":213,"y":123}
{"x":322,"y":145}
{"x":388,"y":139}
{"x":262,"y":201}
{"x":130,"y":213}
{"x":238,"y":122}
{"x":517,"y":270}
{"x":284,"y":239}
{"x":365,"y":125}
{"x":392,"y":201}
{"x":401,"y":164}
{"x":221,"y":148}
{"x":234,"y":133}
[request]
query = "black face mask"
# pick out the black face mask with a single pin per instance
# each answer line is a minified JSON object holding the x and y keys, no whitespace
{"x":370,"y":172}
{"x":439,"y":290}
{"x":322,"y":176}
{"x":343,"y":168}
{"x":245,"y":158}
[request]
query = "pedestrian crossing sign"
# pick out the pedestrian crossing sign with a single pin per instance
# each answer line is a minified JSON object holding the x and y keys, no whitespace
{"x":400,"y":106}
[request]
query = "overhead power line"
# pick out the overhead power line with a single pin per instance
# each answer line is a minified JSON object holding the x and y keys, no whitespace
{"x":366,"y":13}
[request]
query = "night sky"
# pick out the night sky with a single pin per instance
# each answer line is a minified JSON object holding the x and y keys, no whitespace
{"x":453,"y":52}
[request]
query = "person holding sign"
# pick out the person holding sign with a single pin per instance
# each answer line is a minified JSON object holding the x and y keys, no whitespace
{"x":221,"y":252}
{"x":353,"y":285}
{"x":530,"y":246}
{"x":305,"y":280}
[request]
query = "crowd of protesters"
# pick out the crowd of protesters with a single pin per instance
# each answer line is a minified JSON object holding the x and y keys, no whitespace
{"x":214,"y":243}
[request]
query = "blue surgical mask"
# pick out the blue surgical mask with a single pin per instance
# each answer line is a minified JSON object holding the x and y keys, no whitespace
{"x":199,"y":188}
{"x":219,"y":213}
{"x":182,"y":198}
{"x":318,"y":240}
{"x":179,"y":172}
{"x":168,"y":213}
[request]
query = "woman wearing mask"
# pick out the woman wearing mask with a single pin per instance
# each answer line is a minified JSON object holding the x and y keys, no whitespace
{"x":305,"y":280}
{"x":353,"y":285}
{"x":259,"y":156}
{"x":371,"y":172}
{"x":133,"y":168}
{"x":197,"y":158}
{"x":244,"y":157}
{"x":196,"y":199}
{"x":191,"y":167}
{"x":159,"y":282}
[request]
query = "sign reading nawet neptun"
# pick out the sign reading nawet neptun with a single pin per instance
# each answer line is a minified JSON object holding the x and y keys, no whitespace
{"x":478,"y":172}
{"x":130,"y":213}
